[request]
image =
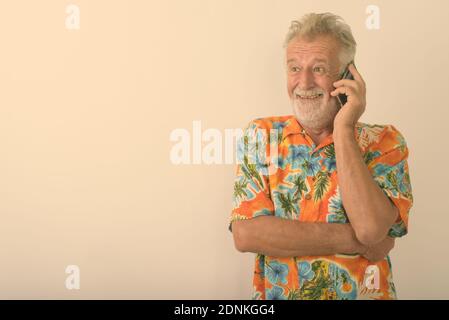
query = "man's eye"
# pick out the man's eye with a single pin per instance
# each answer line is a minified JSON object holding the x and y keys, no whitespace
{"x":319,"y":69}
{"x":294,"y":69}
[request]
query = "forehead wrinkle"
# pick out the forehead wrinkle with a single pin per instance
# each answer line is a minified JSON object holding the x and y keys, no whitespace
{"x":324,"y":48}
{"x":313,"y":59}
{"x":321,"y":52}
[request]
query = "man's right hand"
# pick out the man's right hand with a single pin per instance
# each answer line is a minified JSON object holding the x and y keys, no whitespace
{"x":379,"y":251}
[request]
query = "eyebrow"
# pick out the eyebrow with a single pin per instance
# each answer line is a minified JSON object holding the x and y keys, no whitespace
{"x":316,"y":60}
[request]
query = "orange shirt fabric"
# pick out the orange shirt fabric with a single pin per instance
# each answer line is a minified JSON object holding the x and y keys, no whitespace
{"x":282,"y":173}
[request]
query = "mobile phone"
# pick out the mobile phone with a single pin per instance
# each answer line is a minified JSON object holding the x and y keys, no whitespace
{"x":342,"y":98}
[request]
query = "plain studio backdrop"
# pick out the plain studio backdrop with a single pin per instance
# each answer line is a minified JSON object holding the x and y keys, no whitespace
{"x":86,"y":115}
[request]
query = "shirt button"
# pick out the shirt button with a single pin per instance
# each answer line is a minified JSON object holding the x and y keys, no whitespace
{"x":308,"y":196}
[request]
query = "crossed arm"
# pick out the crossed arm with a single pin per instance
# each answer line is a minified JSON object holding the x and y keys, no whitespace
{"x":274,"y":236}
{"x":369,"y":210}
{"x":278,"y":237}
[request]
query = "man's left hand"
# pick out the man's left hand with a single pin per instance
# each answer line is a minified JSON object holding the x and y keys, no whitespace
{"x":355,"y":90}
{"x":379,"y":251}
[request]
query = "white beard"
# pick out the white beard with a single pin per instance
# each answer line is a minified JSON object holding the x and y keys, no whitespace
{"x":315,"y":114}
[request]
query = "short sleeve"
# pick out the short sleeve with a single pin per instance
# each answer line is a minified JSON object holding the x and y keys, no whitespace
{"x":251,"y":196}
{"x":387,"y":161}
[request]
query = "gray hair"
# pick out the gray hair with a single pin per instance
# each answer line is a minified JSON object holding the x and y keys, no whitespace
{"x":313,"y":24}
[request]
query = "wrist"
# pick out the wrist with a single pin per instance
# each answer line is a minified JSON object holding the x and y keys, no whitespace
{"x":361,"y":249}
{"x":344,"y":130}
{"x":356,"y":247}
{"x":343,"y":135}
{"x":351,"y":245}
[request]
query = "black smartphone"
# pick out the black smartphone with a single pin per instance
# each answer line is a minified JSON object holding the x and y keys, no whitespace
{"x":342,"y":98}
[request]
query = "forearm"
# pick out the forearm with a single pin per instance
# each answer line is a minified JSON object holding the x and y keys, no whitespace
{"x":274,"y":236}
{"x":369,"y":210}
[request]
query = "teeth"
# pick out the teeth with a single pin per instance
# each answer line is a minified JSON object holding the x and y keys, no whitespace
{"x":309,"y":97}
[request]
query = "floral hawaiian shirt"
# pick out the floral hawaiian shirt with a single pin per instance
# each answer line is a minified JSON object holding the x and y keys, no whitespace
{"x":281,"y":172}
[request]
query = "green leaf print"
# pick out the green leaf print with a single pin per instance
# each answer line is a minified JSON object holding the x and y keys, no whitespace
{"x":321,"y":185}
{"x":250,"y":171}
{"x":391,"y":177}
{"x":300,"y":185}
{"x":287,"y":203}
{"x":329,"y":151}
{"x":369,"y":156}
{"x":239,"y":188}
{"x":294,"y":294}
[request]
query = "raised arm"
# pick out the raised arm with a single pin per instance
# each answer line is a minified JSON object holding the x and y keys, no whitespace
{"x":371,"y":212}
{"x":368,"y":208}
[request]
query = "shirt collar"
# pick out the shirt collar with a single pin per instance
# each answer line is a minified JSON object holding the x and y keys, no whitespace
{"x":292,"y":127}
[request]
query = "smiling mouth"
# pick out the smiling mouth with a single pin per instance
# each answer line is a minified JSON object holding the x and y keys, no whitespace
{"x":309,"y":97}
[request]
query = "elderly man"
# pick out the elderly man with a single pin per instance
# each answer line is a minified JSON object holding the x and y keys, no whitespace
{"x":323,"y":206}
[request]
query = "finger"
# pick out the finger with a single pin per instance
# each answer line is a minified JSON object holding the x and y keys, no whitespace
{"x":345,"y":82}
{"x":355,"y":73}
{"x":342,"y":90}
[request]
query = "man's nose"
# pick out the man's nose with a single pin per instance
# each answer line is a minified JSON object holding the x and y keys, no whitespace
{"x":306,"y":80}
